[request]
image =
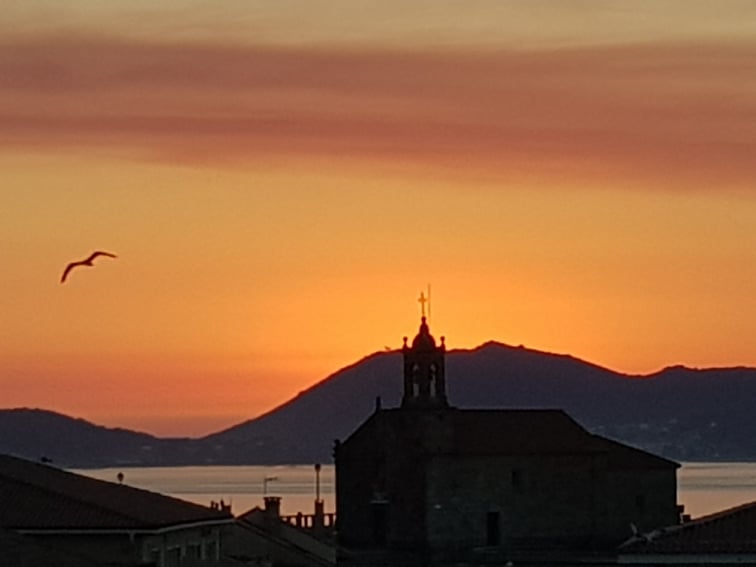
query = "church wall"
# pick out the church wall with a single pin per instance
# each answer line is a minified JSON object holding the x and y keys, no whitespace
{"x":547,"y":497}
{"x":380,"y":476}
{"x":357,"y":479}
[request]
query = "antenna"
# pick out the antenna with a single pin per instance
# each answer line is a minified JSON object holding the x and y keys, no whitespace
{"x":266,"y":480}
{"x":422,"y":301}
{"x":429,"y":304}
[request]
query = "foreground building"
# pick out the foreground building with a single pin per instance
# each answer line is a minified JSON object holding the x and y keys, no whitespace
{"x":262,"y":536}
{"x":431,"y":479}
{"x":723,"y":538}
{"x":70,"y":515}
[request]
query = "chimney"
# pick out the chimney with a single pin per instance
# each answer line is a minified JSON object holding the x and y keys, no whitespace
{"x":318,"y":520}
{"x":273,"y":506}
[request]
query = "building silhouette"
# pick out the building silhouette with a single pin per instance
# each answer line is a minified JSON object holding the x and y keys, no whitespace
{"x":433,"y":480}
{"x":49,"y":516}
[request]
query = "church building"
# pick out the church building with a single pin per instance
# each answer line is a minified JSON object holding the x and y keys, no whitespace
{"x":430,"y":478}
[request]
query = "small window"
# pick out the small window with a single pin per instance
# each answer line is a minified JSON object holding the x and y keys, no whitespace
{"x":517,"y":479}
{"x":173,"y":557}
{"x":211,"y":550}
{"x":640,"y":501}
{"x":492,"y":529}
{"x":380,"y":523}
{"x":194,"y":550}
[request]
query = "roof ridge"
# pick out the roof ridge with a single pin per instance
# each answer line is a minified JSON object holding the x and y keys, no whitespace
{"x":74,"y":498}
{"x":119,"y":503}
{"x":722,"y":514}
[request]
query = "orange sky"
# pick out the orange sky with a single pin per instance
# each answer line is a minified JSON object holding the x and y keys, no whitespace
{"x":281,"y":179}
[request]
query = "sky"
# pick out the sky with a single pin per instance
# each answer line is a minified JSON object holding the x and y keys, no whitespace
{"x":280,"y":181}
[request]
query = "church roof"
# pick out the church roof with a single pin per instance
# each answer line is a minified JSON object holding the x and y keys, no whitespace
{"x":504,"y":432}
{"x":36,"y":496}
{"x":627,"y":457}
{"x":516,"y":432}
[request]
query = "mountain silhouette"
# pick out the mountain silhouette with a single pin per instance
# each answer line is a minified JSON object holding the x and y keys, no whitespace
{"x":52,"y":437}
{"x":680,"y":413}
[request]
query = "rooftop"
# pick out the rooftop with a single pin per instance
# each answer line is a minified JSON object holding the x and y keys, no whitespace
{"x":35,"y":496}
{"x":731,"y":531}
{"x":513,"y":432}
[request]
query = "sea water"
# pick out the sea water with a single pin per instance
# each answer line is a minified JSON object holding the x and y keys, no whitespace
{"x":703,"y":488}
{"x":243,"y":487}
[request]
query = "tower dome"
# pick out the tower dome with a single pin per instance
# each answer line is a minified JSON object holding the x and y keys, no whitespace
{"x":424,"y":373}
{"x":424,"y":340}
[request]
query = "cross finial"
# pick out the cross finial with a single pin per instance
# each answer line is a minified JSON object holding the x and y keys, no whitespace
{"x":422,"y":301}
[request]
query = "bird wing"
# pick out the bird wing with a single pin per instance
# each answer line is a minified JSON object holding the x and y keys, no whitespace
{"x":86,"y":262}
{"x":94,"y":255}
{"x":70,"y":267}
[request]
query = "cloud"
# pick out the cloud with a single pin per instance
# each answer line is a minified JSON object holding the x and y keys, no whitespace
{"x":668,"y":113}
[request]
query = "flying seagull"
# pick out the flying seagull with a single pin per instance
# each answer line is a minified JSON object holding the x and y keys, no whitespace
{"x":87,"y":262}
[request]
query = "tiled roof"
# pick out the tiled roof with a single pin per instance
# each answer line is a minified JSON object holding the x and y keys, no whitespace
{"x":623,"y":456}
{"x":37,"y":496}
{"x":515,"y":432}
{"x":729,"y":531}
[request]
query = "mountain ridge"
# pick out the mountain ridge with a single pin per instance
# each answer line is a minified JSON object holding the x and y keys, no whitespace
{"x":678,"y":412}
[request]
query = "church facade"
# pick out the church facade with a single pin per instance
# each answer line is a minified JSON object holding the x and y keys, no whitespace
{"x":430,"y":478}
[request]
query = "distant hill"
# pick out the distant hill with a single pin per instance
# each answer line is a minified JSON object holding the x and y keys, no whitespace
{"x":680,"y":413}
{"x":52,"y":437}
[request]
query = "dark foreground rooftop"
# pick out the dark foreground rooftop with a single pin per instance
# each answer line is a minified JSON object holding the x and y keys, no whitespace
{"x":729,"y":532}
{"x":35,"y":496}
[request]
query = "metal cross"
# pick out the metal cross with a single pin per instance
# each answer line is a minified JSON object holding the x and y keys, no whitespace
{"x":422,"y":301}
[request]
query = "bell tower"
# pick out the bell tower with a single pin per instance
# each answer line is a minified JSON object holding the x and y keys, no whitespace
{"x":424,"y":374}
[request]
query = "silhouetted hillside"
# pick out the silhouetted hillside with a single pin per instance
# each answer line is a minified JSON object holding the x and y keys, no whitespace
{"x":68,"y":442}
{"x":679,"y":413}
{"x":303,"y":429}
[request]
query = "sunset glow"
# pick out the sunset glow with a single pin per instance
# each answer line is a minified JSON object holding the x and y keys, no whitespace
{"x":280,"y":181}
